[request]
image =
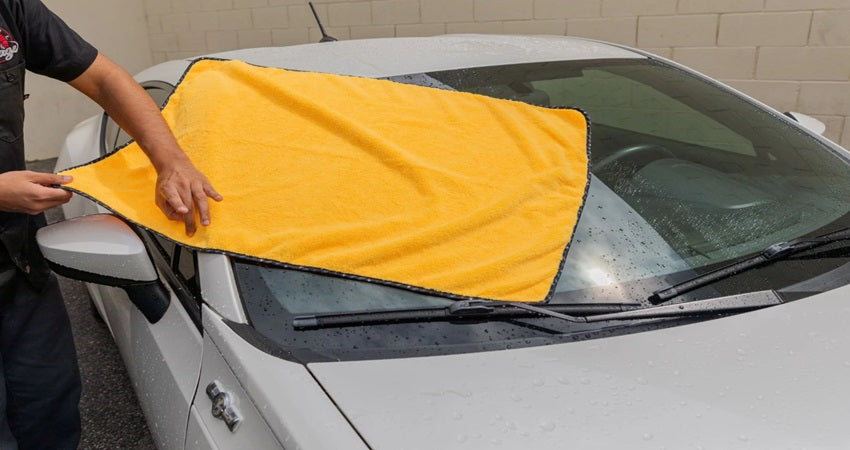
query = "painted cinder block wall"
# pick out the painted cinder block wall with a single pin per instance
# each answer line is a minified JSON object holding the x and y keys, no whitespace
{"x":792,"y":54}
{"x":118,"y":28}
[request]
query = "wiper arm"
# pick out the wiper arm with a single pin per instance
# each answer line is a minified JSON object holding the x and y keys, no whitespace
{"x":578,"y":313}
{"x":467,"y":309}
{"x":771,"y":254}
{"x":730,"y":304}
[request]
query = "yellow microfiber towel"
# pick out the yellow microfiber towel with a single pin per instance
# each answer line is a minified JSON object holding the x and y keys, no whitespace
{"x":451,"y":193}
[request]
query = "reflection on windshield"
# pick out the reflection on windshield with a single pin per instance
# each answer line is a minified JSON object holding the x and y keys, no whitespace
{"x":686,"y":176}
{"x":304,"y":292}
{"x":644,"y":254}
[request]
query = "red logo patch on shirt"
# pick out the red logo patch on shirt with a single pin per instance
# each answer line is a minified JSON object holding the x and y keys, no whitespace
{"x":8,"y":46}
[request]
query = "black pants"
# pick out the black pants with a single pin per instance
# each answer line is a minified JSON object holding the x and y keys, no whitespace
{"x":39,"y":407}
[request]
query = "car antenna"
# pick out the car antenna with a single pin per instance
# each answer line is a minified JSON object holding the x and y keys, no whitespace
{"x":325,"y":37}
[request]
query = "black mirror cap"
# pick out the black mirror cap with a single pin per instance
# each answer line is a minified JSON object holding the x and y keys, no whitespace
{"x":150,"y":297}
{"x":90,"y":277}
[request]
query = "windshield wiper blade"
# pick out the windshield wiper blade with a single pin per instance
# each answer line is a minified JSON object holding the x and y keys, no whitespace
{"x":771,"y":254}
{"x":466,"y":309}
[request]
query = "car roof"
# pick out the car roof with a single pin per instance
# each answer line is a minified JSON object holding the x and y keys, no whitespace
{"x":400,"y":56}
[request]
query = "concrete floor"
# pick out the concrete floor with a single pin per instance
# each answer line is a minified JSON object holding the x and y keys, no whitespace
{"x":111,"y":418}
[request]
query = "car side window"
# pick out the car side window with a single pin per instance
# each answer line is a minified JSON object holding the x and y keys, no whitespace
{"x":113,"y":136}
{"x":178,"y":266}
{"x":185,"y":264}
{"x":165,"y":245}
{"x":182,"y":263}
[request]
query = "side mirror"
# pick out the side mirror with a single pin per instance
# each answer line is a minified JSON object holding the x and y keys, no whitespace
{"x":808,"y":122}
{"x":102,"y":249}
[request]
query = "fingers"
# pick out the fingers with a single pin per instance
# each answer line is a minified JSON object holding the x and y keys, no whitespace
{"x":173,"y":199}
{"x":40,"y":198}
{"x":168,"y":210}
{"x":191,"y":226}
{"x":189,"y":217}
{"x":211,"y":192}
{"x":200,"y":198}
{"x":40,"y":195}
{"x":49,"y":179}
{"x":175,"y":207}
{"x":181,"y":193}
{"x":59,"y":198}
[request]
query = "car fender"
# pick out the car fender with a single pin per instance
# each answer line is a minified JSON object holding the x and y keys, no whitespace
{"x":268,"y":393}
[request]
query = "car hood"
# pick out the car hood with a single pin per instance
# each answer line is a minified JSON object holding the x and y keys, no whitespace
{"x":766,"y":379}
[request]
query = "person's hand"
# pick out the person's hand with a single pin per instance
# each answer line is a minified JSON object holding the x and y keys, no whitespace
{"x":181,"y":189}
{"x":29,"y":192}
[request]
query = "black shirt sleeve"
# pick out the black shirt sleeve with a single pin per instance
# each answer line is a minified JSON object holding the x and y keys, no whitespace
{"x":50,"y":46}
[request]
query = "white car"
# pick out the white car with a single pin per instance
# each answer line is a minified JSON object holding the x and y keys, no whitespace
{"x":692,"y":182}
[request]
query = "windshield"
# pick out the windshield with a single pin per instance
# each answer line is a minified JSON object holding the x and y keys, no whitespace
{"x":686,"y":176}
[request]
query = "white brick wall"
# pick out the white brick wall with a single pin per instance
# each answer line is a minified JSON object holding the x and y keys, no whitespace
{"x":118,"y":29}
{"x":791,"y":54}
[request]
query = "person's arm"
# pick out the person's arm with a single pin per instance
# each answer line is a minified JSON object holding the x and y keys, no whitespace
{"x":180,"y":187}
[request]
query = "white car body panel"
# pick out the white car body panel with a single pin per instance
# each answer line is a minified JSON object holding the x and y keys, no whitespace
{"x":164,"y":72}
{"x":115,"y":309}
{"x":167,"y":360}
{"x":769,"y":379}
{"x":251,"y":431}
{"x":162,"y":359}
{"x":369,"y":57}
{"x":296,"y":408}
{"x":402,"y":56}
{"x":218,"y":286}
{"x":809,"y":122}
{"x":198,"y":436}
